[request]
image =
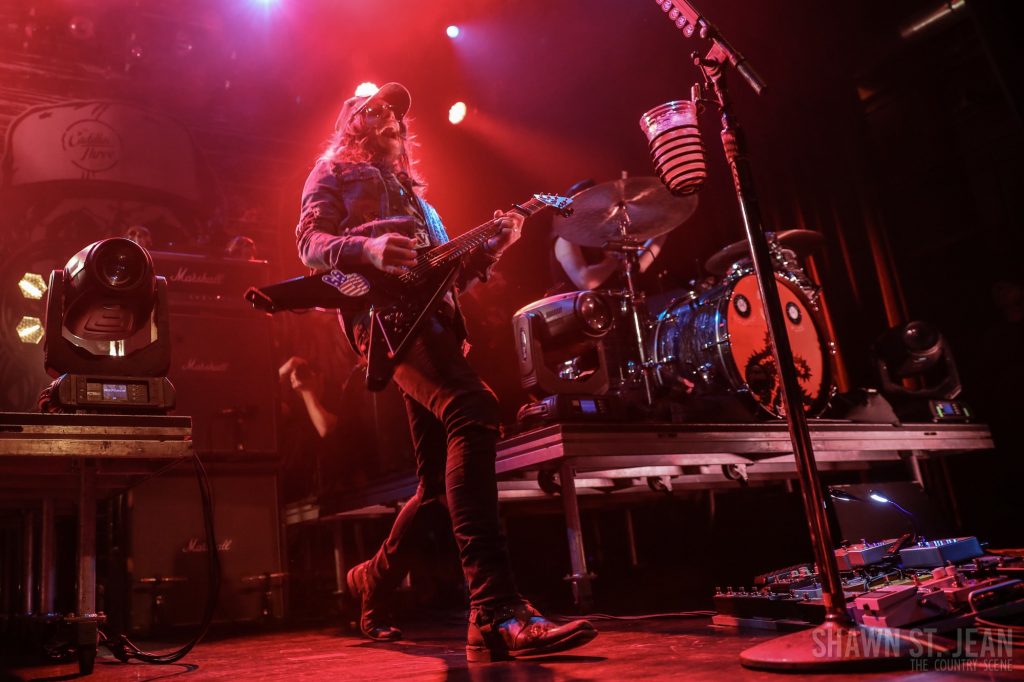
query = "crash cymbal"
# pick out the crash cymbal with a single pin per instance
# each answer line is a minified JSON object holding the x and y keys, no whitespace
{"x":597,"y":212}
{"x":719,"y":263}
{"x":800,"y":242}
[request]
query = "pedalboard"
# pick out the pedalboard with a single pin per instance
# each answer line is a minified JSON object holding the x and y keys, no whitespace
{"x":941,"y":583}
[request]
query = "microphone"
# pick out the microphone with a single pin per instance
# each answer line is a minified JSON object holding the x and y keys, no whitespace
{"x":676,"y":146}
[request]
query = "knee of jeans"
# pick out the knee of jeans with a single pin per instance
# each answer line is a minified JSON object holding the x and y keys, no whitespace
{"x":437,"y":502}
{"x":477,"y":410}
{"x":431,"y":491}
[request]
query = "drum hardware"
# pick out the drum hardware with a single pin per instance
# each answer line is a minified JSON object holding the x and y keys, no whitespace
{"x":711,"y":344}
{"x":705,"y":371}
{"x":798,"y":244}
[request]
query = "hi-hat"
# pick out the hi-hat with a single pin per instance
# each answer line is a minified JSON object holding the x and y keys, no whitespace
{"x":598,"y":212}
{"x":800,"y":242}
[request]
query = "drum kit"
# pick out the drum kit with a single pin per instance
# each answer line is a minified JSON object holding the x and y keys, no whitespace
{"x":708,"y":344}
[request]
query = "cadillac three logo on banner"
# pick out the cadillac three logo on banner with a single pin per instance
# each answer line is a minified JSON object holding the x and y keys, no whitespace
{"x":92,"y":145}
{"x":105,"y":142}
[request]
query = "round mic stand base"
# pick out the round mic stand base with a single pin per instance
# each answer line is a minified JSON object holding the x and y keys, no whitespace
{"x":844,"y":647}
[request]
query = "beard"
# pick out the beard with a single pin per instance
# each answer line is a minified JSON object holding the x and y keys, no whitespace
{"x":385,"y":143}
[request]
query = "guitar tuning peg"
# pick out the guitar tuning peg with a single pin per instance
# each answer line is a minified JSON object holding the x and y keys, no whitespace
{"x":666,"y":5}
{"x":688,"y":30}
{"x":681,"y":22}
{"x":673,"y":14}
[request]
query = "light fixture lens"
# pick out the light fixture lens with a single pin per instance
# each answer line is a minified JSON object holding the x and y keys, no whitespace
{"x":30,"y":330}
{"x":595,"y":313}
{"x":121,"y":263}
{"x":32,"y":286}
{"x":879,"y":498}
{"x":457,"y":113}
{"x":453,"y":31}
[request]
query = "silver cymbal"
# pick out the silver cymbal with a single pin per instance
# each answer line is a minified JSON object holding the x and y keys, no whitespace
{"x":801,"y":242}
{"x":598,"y":212}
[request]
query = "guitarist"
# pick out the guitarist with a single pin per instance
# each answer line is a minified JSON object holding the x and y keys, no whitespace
{"x":361,"y":205}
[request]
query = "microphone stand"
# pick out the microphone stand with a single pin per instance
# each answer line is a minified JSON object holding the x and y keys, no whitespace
{"x":839,"y":643}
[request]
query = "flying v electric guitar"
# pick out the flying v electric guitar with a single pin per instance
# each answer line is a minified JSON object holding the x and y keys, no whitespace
{"x":398,"y":304}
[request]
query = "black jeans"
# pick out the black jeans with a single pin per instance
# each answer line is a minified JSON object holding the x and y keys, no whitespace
{"x":453,"y":416}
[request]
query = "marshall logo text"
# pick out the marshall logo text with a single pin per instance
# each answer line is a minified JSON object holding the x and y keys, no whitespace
{"x":186,"y":276}
{"x":194,"y":365}
{"x":197,"y":545}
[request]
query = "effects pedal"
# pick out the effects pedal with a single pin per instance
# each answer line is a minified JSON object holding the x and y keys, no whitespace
{"x":934,"y":553}
{"x":863,"y":554}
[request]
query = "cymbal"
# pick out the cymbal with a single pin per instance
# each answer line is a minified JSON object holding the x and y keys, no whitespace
{"x":801,"y":242}
{"x":651,"y":208}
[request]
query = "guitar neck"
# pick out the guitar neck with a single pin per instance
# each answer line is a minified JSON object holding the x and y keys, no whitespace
{"x":474,"y":238}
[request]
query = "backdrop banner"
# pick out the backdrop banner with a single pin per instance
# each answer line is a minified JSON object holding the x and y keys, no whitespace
{"x":103,"y":142}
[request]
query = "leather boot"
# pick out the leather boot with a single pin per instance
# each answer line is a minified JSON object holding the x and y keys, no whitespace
{"x":372,"y":611}
{"x":519,"y":630}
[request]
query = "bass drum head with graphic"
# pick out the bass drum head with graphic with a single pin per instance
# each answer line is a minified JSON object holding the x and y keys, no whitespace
{"x":750,"y":347}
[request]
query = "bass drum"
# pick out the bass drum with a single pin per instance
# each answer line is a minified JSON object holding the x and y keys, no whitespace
{"x":719,"y":342}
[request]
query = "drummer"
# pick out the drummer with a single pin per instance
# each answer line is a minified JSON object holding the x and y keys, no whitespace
{"x":575,"y":267}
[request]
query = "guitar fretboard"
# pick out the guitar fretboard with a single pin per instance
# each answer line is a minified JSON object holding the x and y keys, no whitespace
{"x":447,"y":253}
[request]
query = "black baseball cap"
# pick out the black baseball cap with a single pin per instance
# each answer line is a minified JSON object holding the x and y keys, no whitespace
{"x":394,"y":94}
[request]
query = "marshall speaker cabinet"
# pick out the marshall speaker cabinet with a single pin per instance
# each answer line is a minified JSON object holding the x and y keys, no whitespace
{"x":222,"y":365}
{"x":167,"y":569}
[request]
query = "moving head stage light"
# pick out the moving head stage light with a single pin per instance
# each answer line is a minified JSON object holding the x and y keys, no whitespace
{"x":918,"y":352}
{"x":107,"y":333}
{"x":559,"y":343}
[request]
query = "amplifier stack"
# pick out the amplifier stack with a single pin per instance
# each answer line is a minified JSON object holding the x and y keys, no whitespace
{"x":222,"y":365}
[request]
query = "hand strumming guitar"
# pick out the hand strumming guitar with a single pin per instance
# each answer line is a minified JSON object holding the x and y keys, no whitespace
{"x":392,"y":252}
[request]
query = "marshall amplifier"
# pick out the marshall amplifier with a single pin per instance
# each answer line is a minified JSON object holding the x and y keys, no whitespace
{"x":167,"y":560}
{"x":209,"y":282}
{"x":222,"y":365}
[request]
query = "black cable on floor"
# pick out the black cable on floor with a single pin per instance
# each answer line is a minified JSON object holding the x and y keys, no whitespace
{"x":122,"y":648}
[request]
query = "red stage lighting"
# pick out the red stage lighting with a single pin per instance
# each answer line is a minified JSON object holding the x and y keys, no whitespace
{"x":366,"y":89}
{"x":457,"y":113}
{"x":453,"y":31}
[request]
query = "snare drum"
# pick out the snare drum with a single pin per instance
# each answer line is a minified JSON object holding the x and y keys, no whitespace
{"x":719,"y":340}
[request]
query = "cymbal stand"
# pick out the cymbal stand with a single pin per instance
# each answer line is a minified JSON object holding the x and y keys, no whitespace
{"x":839,"y":643}
{"x":630,"y":250}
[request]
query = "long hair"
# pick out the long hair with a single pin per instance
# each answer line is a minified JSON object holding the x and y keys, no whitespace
{"x":352,"y":145}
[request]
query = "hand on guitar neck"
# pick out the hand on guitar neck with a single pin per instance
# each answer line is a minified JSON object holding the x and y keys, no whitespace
{"x":511,"y":230}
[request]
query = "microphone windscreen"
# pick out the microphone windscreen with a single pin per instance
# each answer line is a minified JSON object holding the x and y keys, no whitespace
{"x":676,"y":146}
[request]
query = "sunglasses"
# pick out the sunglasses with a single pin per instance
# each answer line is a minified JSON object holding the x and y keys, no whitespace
{"x":379,"y":110}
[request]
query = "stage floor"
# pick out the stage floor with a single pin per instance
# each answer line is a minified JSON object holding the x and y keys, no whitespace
{"x":656,"y":649}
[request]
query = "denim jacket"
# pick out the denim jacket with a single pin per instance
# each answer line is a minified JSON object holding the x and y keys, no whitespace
{"x":339,"y":199}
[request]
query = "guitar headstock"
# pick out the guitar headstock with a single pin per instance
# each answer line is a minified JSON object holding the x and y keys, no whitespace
{"x":561,"y":204}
